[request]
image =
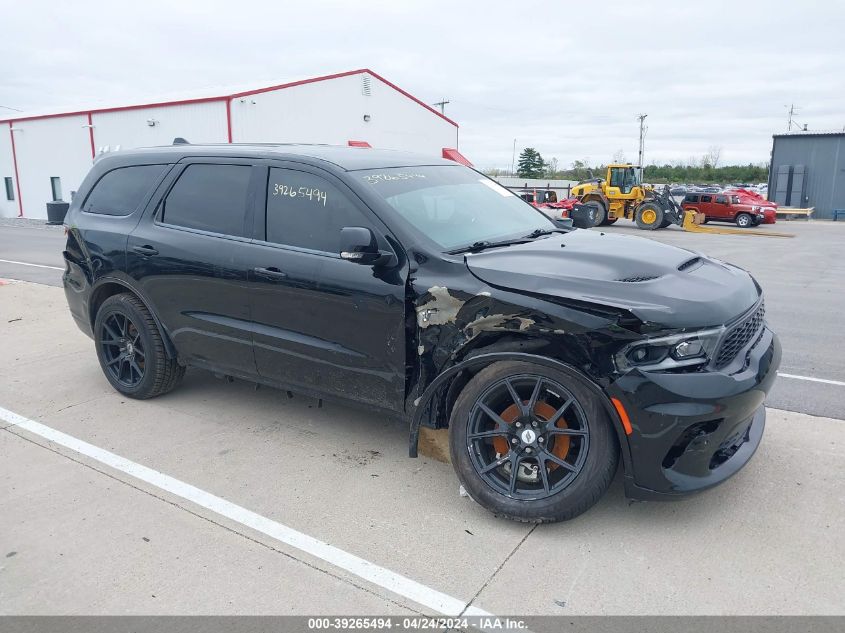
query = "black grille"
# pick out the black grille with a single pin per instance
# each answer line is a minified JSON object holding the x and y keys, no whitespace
{"x":740,"y":335}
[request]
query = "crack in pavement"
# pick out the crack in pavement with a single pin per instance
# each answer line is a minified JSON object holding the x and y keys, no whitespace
{"x":498,"y":568}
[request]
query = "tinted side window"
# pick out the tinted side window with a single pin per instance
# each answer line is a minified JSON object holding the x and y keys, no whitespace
{"x":120,"y":191}
{"x":307,"y":211}
{"x":691,"y":198}
{"x":210,"y":198}
{"x":706,"y":198}
{"x":721,"y":199}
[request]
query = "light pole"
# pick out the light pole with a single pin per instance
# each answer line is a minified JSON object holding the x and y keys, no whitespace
{"x":643,"y":130}
{"x":513,"y":159}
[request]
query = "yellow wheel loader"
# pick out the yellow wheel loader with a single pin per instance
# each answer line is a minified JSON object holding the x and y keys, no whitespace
{"x":621,"y":195}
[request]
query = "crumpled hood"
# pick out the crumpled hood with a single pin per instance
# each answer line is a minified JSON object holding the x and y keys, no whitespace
{"x":658,"y":283}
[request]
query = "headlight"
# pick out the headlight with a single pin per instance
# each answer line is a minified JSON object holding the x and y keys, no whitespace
{"x":670,"y":352}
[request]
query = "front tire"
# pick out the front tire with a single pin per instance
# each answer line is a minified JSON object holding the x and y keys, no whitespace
{"x":649,"y":216}
{"x":531,"y":443}
{"x":744,"y":220}
{"x":131,"y":351}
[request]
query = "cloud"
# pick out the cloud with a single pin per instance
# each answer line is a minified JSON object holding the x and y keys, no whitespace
{"x":567,"y":78}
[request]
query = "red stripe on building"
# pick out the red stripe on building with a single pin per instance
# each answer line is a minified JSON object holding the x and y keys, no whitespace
{"x":229,"y":119}
{"x":91,"y":136}
{"x":17,"y":178}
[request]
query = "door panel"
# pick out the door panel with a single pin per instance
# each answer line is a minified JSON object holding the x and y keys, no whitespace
{"x":707,"y":207}
{"x":194,"y":278}
{"x":782,"y":184}
{"x":321,"y":322}
{"x":796,"y":190}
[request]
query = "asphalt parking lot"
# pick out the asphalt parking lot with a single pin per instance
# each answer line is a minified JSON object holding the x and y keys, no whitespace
{"x":223,"y":499}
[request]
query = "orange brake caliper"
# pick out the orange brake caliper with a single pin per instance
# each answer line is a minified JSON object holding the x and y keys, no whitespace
{"x":544,"y":411}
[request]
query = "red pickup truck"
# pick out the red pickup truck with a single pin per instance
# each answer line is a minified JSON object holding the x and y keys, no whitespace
{"x":724,"y":207}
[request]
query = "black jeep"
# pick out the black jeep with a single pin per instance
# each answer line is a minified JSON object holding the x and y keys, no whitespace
{"x":422,"y":289}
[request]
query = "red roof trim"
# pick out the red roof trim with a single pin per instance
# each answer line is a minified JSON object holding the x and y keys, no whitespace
{"x":301,"y":82}
{"x":118,"y":109}
{"x":234,"y":96}
{"x":410,"y":96}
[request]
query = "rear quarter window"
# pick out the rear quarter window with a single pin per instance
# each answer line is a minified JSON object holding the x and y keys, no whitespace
{"x":121,"y":191}
{"x":691,"y":198}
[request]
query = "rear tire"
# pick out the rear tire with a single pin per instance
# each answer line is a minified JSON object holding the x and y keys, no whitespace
{"x":131,"y":351}
{"x":578,"y":452}
{"x":600,"y":212}
{"x":649,"y":216}
{"x":744,"y":220}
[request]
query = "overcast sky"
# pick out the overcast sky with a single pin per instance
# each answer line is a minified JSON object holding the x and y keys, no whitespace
{"x":567,"y":78}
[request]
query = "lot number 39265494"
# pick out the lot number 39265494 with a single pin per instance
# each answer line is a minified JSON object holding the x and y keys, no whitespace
{"x":312,"y":193}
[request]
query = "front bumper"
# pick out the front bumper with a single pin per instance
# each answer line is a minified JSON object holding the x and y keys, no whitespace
{"x":692,"y":431}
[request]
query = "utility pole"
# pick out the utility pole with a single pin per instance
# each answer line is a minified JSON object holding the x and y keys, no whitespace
{"x":513,"y":158}
{"x":643,"y":130}
{"x":441,"y":105}
{"x":792,"y":113}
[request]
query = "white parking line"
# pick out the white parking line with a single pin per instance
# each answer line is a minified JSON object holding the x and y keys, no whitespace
{"x":438,"y":602}
{"x":811,"y":379}
{"x":11,"y":261}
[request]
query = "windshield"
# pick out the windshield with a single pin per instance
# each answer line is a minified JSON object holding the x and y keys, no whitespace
{"x":454,"y":206}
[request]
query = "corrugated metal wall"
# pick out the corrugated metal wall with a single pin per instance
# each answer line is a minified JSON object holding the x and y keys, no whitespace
{"x":822,"y":157}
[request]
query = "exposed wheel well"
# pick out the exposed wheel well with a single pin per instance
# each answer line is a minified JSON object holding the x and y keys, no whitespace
{"x":593,"y":197}
{"x":444,"y":400}
{"x":100,"y":294}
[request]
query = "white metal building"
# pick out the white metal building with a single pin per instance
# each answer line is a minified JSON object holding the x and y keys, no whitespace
{"x":44,"y":156}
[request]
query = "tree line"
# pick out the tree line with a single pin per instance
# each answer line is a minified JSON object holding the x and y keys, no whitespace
{"x":704,"y":170}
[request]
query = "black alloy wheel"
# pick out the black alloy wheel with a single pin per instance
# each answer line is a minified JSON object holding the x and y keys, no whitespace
{"x":532,"y":443}
{"x":131,"y":349}
{"x":528,"y":437}
{"x":123,"y":350}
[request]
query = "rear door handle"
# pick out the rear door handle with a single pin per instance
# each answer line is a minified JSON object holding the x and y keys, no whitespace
{"x":145,"y":250}
{"x":270,"y":273}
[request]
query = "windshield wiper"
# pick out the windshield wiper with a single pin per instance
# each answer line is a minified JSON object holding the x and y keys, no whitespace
{"x":476,"y":247}
{"x":540,"y":232}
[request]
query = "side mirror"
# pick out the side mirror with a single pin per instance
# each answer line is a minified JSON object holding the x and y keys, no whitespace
{"x":358,"y":244}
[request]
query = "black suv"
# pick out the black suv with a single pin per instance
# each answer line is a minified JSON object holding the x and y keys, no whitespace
{"x":422,"y":289}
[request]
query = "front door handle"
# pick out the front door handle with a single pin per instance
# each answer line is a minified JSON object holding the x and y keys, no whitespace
{"x":270,"y":273}
{"x":146,"y":250}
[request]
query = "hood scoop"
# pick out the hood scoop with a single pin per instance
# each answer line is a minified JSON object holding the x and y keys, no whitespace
{"x":638,"y":278}
{"x":689,"y":264}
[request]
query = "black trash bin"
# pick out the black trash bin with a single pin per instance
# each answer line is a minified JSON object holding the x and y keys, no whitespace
{"x":56,"y":211}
